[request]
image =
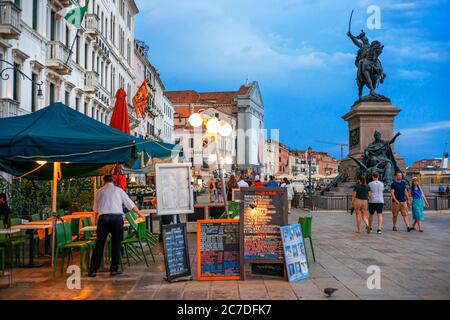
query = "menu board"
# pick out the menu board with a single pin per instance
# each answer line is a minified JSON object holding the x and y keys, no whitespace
{"x":218,"y":250}
{"x":174,"y":192}
{"x":263,"y":211}
{"x":294,"y":252}
{"x":176,"y":253}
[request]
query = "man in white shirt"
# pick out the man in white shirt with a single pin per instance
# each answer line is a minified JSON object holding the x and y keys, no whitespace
{"x":241,"y":183}
{"x":108,"y":204}
{"x":376,"y":200}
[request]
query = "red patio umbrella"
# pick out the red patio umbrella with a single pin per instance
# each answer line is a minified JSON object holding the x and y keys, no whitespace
{"x":120,"y":121}
{"x":119,"y":118}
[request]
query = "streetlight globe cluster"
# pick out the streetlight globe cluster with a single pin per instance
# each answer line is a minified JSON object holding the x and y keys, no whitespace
{"x":213,"y":125}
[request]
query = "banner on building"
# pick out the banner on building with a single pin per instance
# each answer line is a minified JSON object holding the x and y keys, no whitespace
{"x":140,"y":100}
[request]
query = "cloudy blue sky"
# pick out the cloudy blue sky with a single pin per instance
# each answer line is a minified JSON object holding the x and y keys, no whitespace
{"x":298,"y":52}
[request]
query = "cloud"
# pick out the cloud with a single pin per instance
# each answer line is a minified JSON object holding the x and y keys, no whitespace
{"x":412,"y":74}
{"x":427,"y":128}
{"x":206,"y":37}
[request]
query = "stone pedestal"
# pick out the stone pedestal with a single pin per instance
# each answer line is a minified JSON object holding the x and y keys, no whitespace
{"x":364,"y":118}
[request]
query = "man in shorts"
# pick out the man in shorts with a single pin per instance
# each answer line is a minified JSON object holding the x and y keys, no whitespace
{"x":400,"y":198}
{"x":376,"y":200}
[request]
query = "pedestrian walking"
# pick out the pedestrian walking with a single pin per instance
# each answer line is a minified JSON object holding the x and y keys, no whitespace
{"x":212,"y":190}
{"x":376,"y":201}
{"x":400,"y":198}
{"x":441,"y":189}
{"x":219,"y":193}
{"x":360,"y":197}
{"x":257,"y":182}
{"x":232,"y":184}
{"x":109,"y":202}
{"x":419,"y":201}
{"x":241,"y":182}
{"x":271,"y":182}
{"x":290,"y":191}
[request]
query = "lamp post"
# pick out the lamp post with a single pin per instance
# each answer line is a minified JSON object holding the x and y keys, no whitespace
{"x":309,"y":158}
{"x":5,"y":76}
{"x":214,"y":128}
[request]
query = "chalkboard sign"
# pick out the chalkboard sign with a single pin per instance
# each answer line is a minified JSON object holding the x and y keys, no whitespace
{"x":176,"y":253}
{"x":263,"y":212}
{"x":218,"y":253}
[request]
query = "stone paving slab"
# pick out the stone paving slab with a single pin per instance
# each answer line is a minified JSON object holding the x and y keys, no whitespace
{"x":413,"y":266}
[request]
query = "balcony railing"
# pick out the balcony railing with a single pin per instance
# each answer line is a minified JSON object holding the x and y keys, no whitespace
{"x":91,"y":82}
{"x":92,"y":23}
{"x":10,"y":16}
{"x":10,"y":108}
{"x":57,"y":54}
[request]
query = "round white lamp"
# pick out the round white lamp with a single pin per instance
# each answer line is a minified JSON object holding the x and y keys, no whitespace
{"x":225,"y":129}
{"x":195,"y":120}
{"x":213,"y":125}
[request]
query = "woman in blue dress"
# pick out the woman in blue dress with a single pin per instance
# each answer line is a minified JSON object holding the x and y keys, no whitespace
{"x":419,"y":201}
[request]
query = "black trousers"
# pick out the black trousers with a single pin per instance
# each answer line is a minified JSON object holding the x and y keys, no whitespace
{"x":108,"y":224}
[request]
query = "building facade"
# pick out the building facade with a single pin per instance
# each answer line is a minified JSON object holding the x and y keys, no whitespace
{"x":242,"y":109}
{"x":158,"y":121}
{"x":271,"y":158}
{"x":283,"y":159}
{"x":35,"y":39}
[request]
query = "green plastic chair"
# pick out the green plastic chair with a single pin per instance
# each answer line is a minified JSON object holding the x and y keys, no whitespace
{"x":17,"y":247}
{"x":234,"y":209}
{"x":35,"y":217}
{"x":84,"y":246}
{"x":18,"y":241}
{"x":75,"y":227}
{"x":306,"y":224}
{"x":138,"y":235}
{"x":64,"y":243}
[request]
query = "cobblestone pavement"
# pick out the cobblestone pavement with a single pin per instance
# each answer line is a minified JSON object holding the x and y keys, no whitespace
{"x":413,"y":266}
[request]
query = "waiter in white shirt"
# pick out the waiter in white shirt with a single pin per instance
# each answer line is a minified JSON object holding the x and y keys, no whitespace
{"x":108,"y":204}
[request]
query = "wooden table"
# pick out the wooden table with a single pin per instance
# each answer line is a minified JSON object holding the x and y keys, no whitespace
{"x":30,"y":227}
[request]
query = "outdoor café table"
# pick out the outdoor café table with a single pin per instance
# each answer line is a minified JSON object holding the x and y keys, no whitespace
{"x":30,"y":226}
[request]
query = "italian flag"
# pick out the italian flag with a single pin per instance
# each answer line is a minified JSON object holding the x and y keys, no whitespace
{"x":74,"y":14}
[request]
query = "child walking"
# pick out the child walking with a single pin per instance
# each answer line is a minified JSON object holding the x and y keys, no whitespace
{"x":419,"y":201}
